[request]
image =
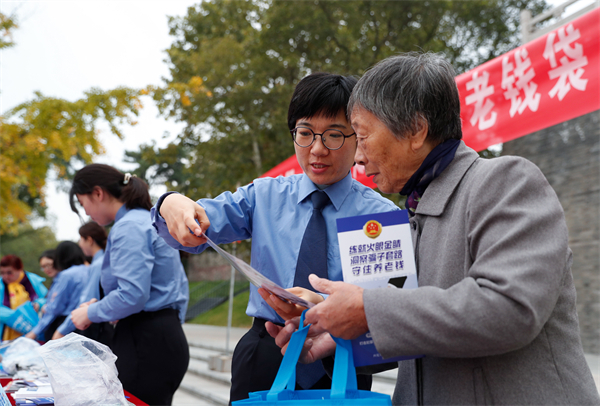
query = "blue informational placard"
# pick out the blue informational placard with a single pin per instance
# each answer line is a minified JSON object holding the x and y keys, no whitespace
{"x":376,"y":251}
{"x":3,"y":397}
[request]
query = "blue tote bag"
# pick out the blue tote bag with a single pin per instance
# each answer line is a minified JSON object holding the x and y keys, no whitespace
{"x":22,"y":319}
{"x":343,"y":383}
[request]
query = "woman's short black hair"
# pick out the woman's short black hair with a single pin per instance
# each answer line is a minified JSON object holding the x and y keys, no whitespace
{"x":320,"y":93}
{"x":68,"y":254}
{"x":96,"y":231}
{"x":48,"y":254}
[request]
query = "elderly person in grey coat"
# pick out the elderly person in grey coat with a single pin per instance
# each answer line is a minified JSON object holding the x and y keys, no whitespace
{"x":494,"y":313}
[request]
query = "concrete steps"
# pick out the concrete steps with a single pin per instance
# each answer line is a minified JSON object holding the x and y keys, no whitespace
{"x":202,"y":386}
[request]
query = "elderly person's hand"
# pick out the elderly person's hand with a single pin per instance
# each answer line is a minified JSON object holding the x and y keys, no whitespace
{"x":318,"y":344}
{"x":180,"y":214}
{"x":342,"y":314}
{"x":31,"y":335}
{"x":287,"y":310}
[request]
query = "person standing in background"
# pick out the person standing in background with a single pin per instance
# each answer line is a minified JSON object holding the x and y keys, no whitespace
{"x":47,"y":263}
{"x":92,"y":241}
{"x":65,"y":291}
{"x":17,"y":288}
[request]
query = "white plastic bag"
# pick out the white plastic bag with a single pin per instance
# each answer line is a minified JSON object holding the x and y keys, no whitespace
{"x":82,"y":372}
{"x":22,"y":354}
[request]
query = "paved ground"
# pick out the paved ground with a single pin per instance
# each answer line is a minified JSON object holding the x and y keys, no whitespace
{"x":594,"y":363}
{"x":211,"y":336}
{"x":214,"y":336}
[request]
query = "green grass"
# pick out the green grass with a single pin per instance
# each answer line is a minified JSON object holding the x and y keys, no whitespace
{"x":211,"y":286}
{"x":194,"y":284}
{"x":218,"y":315}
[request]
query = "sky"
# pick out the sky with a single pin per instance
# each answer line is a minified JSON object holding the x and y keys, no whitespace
{"x":64,"y":48}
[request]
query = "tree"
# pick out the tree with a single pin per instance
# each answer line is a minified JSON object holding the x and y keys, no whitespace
{"x":7,"y":25}
{"x":234,"y":66}
{"x":47,"y":133}
{"x":50,"y":133}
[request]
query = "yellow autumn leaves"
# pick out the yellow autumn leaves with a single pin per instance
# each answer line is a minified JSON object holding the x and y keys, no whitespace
{"x":48,"y":133}
{"x":185,"y":92}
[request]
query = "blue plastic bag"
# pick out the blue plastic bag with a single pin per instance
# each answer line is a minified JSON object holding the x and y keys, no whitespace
{"x":343,"y":383}
{"x":22,"y":319}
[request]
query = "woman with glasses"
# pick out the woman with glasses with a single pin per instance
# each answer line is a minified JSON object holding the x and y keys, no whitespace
{"x":277,"y":214}
{"x":47,"y":263}
{"x":17,"y":288}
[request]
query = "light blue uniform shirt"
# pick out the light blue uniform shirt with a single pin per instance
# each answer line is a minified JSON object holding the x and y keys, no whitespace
{"x":274,"y":213}
{"x":91,"y":290}
{"x":63,"y":295}
{"x":140,"y":272}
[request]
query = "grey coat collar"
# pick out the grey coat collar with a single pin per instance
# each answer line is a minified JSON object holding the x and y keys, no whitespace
{"x":438,"y":193}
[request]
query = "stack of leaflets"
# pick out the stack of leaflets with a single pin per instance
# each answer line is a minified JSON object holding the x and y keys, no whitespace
{"x":35,"y":401}
{"x":37,"y":393}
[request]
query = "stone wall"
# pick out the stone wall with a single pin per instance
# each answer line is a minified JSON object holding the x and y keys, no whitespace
{"x":569,"y":155}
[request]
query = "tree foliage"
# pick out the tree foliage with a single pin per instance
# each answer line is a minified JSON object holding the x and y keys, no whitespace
{"x":7,"y":25}
{"x":49,"y":133}
{"x":234,"y":66}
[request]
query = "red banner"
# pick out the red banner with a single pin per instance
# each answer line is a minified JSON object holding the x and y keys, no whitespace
{"x":547,"y":81}
{"x":291,"y":166}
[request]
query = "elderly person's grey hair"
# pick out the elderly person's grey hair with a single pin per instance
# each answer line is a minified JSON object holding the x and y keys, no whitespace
{"x":404,"y":90}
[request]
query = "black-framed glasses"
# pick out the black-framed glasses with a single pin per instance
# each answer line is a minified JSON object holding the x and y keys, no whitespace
{"x":332,"y":139}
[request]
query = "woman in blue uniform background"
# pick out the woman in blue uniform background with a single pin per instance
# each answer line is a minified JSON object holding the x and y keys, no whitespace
{"x":144,"y":284}
{"x":92,"y":242}
{"x":66,"y":288}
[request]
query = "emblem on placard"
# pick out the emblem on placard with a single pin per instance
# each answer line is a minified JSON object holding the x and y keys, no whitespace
{"x":372,"y":229}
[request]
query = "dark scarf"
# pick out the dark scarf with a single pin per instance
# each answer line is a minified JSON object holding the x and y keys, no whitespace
{"x":434,"y":164}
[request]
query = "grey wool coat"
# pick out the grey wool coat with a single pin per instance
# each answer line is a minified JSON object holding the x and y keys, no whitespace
{"x":494,"y":313}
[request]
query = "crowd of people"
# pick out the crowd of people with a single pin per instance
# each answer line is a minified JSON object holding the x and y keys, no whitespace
{"x":73,"y":277}
{"x":493,"y":320}
{"x":67,"y":268}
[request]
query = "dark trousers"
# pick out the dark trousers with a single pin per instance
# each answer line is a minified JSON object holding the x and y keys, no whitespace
{"x":49,"y":331}
{"x":153,"y":355}
{"x":101,"y":332}
{"x":256,"y":360}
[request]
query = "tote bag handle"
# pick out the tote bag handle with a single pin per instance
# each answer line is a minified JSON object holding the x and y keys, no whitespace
{"x":344,"y":374}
